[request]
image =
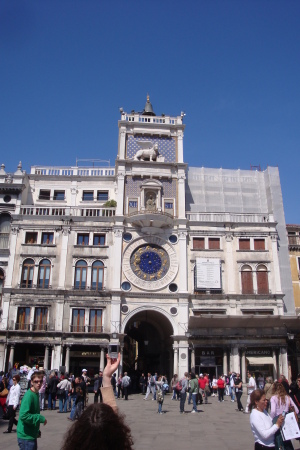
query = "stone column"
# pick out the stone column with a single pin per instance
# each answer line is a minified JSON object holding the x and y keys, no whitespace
{"x":121,"y":360}
{"x":175,"y":350}
{"x":67,"y":363}
{"x":46,"y":357}
{"x":183,"y":358}
{"x":225,"y":361}
{"x":244,"y":378}
{"x":12,"y":250}
{"x":193,"y":360}
{"x":117,"y":256}
{"x":11,"y":356}
{"x":101,"y":359}
{"x":235,"y":359}
{"x":284,"y":362}
{"x":275,"y":369}
{"x":52,"y":357}
{"x":182,"y":244}
{"x":276,"y":265}
{"x":181,"y":195}
{"x":63,"y":257}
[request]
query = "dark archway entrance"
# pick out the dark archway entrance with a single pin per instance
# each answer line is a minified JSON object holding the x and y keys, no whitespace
{"x":148,"y":344}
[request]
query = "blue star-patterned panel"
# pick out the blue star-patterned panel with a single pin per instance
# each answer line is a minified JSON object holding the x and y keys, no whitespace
{"x":133,"y":187}
{"x":166,"y":146}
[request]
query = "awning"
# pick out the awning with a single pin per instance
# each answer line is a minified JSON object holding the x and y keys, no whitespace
{"x":259,"y":360}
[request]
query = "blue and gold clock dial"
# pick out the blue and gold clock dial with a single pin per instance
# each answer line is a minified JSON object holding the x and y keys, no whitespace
{"x":150,"y":262}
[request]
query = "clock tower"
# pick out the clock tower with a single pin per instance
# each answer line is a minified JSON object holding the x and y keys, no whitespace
{"x":150,"y":283}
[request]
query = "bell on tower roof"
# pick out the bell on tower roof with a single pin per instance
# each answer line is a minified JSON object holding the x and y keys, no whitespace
{"x":148,"y":110}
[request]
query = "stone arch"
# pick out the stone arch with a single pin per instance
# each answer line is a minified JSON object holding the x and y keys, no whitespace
{"x":130,"y":315}
{"x":148,"y":341}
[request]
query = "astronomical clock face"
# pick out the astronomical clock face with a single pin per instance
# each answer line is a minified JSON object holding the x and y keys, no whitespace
{"x":150,"y":263}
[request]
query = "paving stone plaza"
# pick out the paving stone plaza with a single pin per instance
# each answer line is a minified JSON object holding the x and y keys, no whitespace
{"x":217,"y":425}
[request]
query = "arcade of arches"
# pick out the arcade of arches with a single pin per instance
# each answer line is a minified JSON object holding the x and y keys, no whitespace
{"x":148,"y":344}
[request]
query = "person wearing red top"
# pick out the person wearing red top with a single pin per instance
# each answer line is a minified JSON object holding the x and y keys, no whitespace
{"x":202,"y":382}
{"x":221,"y":387}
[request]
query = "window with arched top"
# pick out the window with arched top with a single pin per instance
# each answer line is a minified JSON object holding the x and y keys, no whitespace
{"x":247,"y":280}
{"x":44,"y":274}
{"x":80,"y":275}
{"x":262,"y":279}
{"x":97,"y":275}
{"x":27,"y":273}
{"x":5,"y":221}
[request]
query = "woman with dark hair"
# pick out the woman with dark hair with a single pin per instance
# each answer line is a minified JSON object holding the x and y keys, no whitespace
{"x":100,"y":427}
{"x":13,"y":403}
{"x":261,"y":422}
{"x":3,"y":394}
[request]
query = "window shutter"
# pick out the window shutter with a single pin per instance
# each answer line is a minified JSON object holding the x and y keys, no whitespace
{"x":244,"y":244}
{"x":262,"y":282}
{"x":259,"y":244}
{"x":214,"y":243}
{"x":247,"y":282}
{"x":198,"y":244}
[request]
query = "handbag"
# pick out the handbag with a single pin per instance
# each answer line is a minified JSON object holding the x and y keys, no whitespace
{"x":60,"y":392}
{"x":4,"y":393}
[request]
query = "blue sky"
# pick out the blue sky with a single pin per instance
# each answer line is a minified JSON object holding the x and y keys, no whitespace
{"x":231,"y":65}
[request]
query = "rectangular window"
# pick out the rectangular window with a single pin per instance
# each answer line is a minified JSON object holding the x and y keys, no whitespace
{"x":88,"y":195}
{"x":214,"y":243}
{"x":78,"y":320}
{"x":168,"y":205}
{"x":99,"y":239}
{"x":102,"y":196}
{"x":133,"y":204}
{"x":47,"y":238}
{"x":59,"y":195}
{"x":82,"y":239}
{"x":44,"y":194}
{"x":95,"y":321}
{"x":23,"y":319}
{"x":31,"y":238}
{"x":244,"y":244}
{"x":259,"y":244}
{"x":40,"y":319}
{"x":198,"y":244}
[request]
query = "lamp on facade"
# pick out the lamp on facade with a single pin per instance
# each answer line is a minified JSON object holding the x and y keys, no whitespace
{"x":290,"y":336}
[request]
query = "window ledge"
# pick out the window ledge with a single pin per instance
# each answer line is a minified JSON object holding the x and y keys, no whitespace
{"x":207,"y":249}
{"x":254,"y":251}
{"x":90,"y":246}
{"x":39,"y":245}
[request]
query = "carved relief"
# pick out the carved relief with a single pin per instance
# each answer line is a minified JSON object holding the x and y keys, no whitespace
{"x":148,"y":151}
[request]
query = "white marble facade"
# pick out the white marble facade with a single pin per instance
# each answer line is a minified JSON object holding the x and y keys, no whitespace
{"x":81,"y":272}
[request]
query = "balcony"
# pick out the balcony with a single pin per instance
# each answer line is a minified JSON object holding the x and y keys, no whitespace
{"x":153,"y":219}
{"x":294,"y":242}
{"x":67,"y":211}
{"x":86,"y":329}
{"x":73,"y":171}
{"x":224,"y":217}
{"x":28,"y":326}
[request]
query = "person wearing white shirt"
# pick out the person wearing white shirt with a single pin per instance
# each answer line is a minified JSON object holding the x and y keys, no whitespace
{"x":261,"y":422}
{"x":13,"y":402}
{"x":251,"y":386}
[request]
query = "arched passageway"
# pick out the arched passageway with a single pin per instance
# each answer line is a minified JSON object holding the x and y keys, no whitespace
{"x":148,"y":344}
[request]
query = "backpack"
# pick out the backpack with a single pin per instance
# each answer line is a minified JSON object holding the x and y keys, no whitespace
{"x":178,"y":386}
{"x":159,"y":396}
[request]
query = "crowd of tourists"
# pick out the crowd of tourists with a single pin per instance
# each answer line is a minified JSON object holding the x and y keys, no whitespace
{"x":265,"y":400}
